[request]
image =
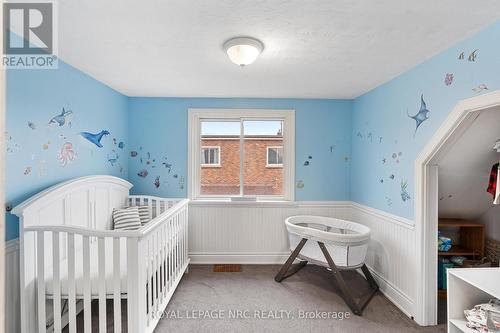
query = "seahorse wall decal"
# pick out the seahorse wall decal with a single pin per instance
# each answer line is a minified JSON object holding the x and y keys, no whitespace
{"x":421,"y":116}
{"x":95,"y":138}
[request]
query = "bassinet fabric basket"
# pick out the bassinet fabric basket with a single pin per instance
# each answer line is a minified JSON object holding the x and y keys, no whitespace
{"x":346,"y":241}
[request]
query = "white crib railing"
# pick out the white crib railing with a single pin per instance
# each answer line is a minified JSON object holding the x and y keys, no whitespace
{"x":156,"y":256}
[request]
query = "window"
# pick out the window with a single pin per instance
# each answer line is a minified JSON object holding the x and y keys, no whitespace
{"x":238,"y":153}
{"x":274,"y":157}
{"x":210,"y":156}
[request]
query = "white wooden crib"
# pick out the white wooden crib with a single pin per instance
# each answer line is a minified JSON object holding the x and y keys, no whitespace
{"x":70,"y":256}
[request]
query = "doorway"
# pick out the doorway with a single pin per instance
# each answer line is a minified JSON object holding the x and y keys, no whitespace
{"x":427,"y":196}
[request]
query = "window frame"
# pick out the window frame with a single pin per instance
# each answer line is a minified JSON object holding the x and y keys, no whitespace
{"x":197,"y":115}
{"x":273,"y":165}
{"x":211,"y":165}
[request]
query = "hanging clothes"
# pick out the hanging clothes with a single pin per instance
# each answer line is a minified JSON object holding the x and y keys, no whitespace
{"x":492,"y":184}
{"x":496,"y":200}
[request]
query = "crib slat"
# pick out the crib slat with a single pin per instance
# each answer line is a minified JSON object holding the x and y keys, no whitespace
{"x":71,"y":284}
{"x":163,"y":259}
{"x":148,"y":262}
{"x":102,"y":284}
{"x":117,"y":321}
{"x":56,"y":281}
{"x":155,"y":271}
{"x":170,"y":256}
{"x":41,"y":280}
{"x":150,"y":209}
{"x":87,"y":321}
{"x":157,"y":207}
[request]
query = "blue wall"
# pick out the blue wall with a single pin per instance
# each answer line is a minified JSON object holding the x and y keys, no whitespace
{"x":323,"y":131}
{"x":34,"y":97}
{"x":382,"y":128}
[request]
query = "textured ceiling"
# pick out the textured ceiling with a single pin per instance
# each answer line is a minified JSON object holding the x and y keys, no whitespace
{"x":465,"y":169}
{"x":313,"y":49}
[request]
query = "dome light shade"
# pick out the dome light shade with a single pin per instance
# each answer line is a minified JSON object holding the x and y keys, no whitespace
{"x":243,"y":50}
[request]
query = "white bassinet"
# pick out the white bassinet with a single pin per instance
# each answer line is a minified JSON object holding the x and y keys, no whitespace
{"x":346,"y":241}
{"x":334,"y":243}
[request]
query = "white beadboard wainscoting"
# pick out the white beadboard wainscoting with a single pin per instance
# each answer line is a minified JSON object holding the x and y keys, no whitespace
{"x":255,"y":233}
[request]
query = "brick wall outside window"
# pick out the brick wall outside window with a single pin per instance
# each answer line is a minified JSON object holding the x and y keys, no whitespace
{"x":259,"y":179}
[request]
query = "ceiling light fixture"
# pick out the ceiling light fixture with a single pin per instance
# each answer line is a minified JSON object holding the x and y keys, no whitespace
{"x":243,"y":50}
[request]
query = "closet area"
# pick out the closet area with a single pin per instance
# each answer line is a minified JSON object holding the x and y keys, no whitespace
{"x":469,"y":202}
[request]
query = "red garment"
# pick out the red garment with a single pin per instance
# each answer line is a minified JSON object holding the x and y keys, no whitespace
{"x":492,"y":184}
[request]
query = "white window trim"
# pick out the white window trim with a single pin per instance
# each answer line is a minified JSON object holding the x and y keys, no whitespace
{"x":274,"y":165}
{"x":195,"y":115}
{"x":212,"y":165}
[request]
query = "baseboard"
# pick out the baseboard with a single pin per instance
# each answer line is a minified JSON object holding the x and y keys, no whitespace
{"x":239,"y":258}
{"x":396,"y":296}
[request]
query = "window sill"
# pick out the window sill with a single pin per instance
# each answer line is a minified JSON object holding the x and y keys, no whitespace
{"x":229,"y":202}
{"x":211,"y":166}
{"x":276,"y":166}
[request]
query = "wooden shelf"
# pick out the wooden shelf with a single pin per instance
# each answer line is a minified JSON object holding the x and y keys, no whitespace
{"x":455,"y":223}
{"x":457,"y":250}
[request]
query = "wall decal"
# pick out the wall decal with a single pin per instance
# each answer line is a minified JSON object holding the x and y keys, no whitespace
{"x":95,"y":138}
{"x":11,"y":145}
{"x":133,"y":153}
{"x":157,"y":182}
{"x":421,"y":116}
{"x":392,"y":176}
{"x":113,"y":159}
{"x":404,"y":190}
{"x":121,"y":145}
{"x":31,"y":125}
{"x":384,"y":160}
{"x":388,"y":201}
{"x":66,"y":154}
{"x":175,"y":176}
{"x":473,"y":55}
{"x":480,"y":88}
{"x":359,"y":135}
{"x":27,"y":171}
{"x":306,"y":163}
{"x":346,"y":158}
{"x":62,"y":119}
{"x":300,"y":184}
{"x":461,"y":56}
{"x":181,"y":182}
{"x":45,"y":146}
{"x":143,"y":173}
{"x":381,"y":180}
{"x":62,"y":137}
{"x":448,"y":79}
{"x":41,"y":168}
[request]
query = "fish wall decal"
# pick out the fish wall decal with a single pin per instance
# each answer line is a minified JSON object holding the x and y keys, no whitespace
{"x":95,"y":138}
{"x":62,"y":119}
{"x":480,"y":88}
{"x":143,"y":173}
{"x":448,"y":79}
{"x":421,"y":116}
{"x":473,"y":55}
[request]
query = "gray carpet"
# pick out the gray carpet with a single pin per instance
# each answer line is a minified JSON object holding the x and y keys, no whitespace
{"x":254,"y":289}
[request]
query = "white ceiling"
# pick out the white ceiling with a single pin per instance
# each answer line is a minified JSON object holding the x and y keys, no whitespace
{"x":464,"y":170}
{"x":313,"y":49}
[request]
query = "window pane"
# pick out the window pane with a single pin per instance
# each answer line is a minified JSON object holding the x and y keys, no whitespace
{"x":259,"y":177}
{"x":220,"y":176}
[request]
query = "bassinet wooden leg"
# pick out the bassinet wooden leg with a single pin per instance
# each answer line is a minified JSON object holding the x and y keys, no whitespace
{"x":356,"y":307}
{"x":282,"y":274}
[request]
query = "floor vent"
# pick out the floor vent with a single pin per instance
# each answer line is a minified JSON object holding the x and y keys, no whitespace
{"x":232,"y":268}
